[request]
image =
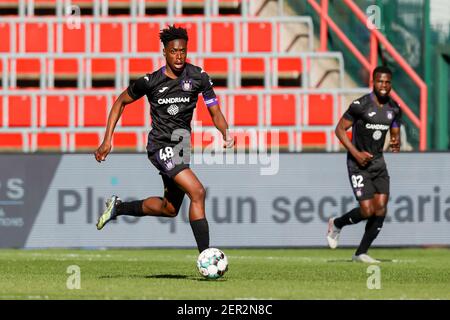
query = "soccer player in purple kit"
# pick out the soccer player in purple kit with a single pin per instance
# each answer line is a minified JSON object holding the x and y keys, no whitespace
{"x":370,"y":117}
{"x":173,"y":94}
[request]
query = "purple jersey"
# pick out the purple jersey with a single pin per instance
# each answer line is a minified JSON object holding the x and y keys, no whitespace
{"x":371,"y":123}
{"x":172,"y":102}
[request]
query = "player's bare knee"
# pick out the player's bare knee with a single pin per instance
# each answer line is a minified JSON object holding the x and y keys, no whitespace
{"x":202,"y":193}
{"x":198,"y":194}
{"x":197,"y":216}
{"x":380,"y":211}
{"x":367,"y":212}
{"x":169,"y":210}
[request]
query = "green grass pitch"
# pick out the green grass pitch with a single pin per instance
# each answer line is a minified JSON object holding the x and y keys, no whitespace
{"x":252,"y":274}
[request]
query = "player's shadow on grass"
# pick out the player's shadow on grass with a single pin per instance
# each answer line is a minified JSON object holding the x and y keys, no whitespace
{"x":178,"y":276}
{"x":350,"y":260}
{"x":167,"y":276}
{"x":153,"y":276}
{"x":210,"y":280}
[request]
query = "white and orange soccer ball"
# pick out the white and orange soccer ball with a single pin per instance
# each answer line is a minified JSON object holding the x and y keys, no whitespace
{"x":212,"y":263}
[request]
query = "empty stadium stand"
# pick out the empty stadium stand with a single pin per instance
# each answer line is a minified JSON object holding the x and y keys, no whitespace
{"x":60,"y":73}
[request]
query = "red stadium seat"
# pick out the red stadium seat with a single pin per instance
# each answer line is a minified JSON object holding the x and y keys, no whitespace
{"x":73,"y":40}
{"x":86,"y":141}
{"x":147,"y":37}
{"x":19,"y":111}
{"x":5,"y":45}
{"x":289,"y":67}
{"x":244,"y":140}
{"x":1,"y":72}
{"x":1,"y":111}
{"x":259,"y":37}
{"x":95,"y":111}
{"x":111,"y":38}
{"x":36,"y":37}
{"x":192,"y":34}
{"x":44,"y":3}
{"x":273,"y":139}
{"x":118,"y":3}
{"x":103,"y":68}
{"x":28,"y":68}
{"x":216,"y":67}
{"x":201,"y":139}
{"x":156,"y":3}
{"x":66,"y":68}
{"x":125,"y":141}
{"x":320,"y":109}
{"x":252,"y":67}
{"x":9,"y":3}
{"x":11,"y":141}
{"x":222,"y":37}
{"x":229,"y":3}
{"x":282,"y":113}
{"x":82,"y":3}
{"x":245,"y":110}
{"x":138,"y":67}
{"x":190,"y":3}
{"x":57,"y":111}
{"x":314,"y":140}
{"x":283,"y":110}
{"x":49,"y":141}
{"x":134,"y":113}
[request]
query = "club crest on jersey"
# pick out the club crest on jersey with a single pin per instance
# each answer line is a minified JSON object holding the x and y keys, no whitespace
{"x":377,"y":135}
{"x":390,"y":115}
{"x":186,"y":85}
{"x":172,"y":109}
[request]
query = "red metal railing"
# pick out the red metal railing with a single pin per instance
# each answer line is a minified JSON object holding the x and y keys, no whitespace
{"x":371,"y":63}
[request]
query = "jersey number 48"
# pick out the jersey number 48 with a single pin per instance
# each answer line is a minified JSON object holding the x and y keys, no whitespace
{"x":166,"y":153}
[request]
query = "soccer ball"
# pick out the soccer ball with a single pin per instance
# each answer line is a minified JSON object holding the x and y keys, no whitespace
{"x":212,"y":263}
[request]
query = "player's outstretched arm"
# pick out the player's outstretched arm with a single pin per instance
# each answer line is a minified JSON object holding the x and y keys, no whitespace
{"x":221,"y":125}
{"x":363,"y":157}
{"x":394,"y":142}
{"x":114,"y":115}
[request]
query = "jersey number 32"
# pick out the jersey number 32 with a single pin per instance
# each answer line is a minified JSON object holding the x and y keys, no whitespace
{"x":357,"y":181}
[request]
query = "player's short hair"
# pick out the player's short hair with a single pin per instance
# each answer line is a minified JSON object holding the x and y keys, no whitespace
{"x":381,"y":69}
{"x":172,"y":33}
